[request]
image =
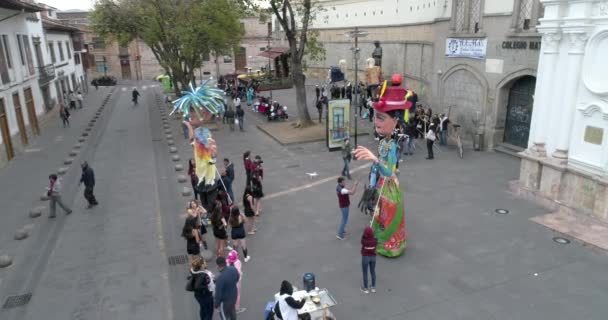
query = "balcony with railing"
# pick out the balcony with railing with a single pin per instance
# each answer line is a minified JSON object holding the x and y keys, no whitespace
{"x":46,"y":74}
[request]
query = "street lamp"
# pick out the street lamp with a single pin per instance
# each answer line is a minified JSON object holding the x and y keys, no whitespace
{"x":269,"y":67}
{"x":105,"y":67}
{"x":356,"y":34}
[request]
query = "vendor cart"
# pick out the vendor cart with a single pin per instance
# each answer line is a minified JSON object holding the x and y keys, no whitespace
{"x":311,"y":310}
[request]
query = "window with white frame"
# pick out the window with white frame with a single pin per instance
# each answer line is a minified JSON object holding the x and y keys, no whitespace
{"x":60,"y":48}
{"x":21,"y":54}
{"x":4,"y":62}
{"x":467,"y":16}
{"x":28,"y":54}
{"x":52,"y":51}
{"x":67,"y":48}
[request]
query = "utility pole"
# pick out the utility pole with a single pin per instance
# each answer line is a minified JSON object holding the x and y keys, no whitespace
{"x":356,"y":34}
{"x":105,"y":67}
{"x":269,"y":65}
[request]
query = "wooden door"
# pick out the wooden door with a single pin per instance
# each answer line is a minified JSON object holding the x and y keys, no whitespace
{"x":6,"y":133}
{"x":31,"y":110}
{"x":519,"y":112}
{"x":19,"y":115}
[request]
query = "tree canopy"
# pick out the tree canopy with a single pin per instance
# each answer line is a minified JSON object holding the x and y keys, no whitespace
{"x":295,"y":17}
{"x":179,"y":32}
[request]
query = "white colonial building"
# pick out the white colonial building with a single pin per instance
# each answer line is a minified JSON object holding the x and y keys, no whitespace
{"x":566,"y":163}
{"x":69,"y":72}
{"x":25,"y":73}
{"x":28,"y":86}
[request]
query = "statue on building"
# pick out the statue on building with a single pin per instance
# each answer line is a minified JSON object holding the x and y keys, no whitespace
{"x":373,"y":77}
{"x":377,"y":54}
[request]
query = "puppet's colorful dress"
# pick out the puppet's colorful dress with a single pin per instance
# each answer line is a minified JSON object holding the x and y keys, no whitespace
{"x":389,"y":222}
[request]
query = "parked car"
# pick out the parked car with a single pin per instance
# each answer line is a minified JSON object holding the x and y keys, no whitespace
{"x":104,"y":81}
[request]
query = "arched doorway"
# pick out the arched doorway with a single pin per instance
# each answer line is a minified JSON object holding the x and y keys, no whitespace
{"x":519,"y":111}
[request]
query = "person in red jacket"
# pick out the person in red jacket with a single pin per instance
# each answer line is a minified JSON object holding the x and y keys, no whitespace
{"x":368,"y":258}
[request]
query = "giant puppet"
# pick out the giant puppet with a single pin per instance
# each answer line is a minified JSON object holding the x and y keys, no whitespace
{"x":197,"y":106}
{"x":384,"y":195}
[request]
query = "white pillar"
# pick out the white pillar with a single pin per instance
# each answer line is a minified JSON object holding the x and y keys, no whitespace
{"x":544,"y":88}
{"x":578,"y":39}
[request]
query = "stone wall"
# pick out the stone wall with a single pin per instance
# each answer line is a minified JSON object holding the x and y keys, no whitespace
{"x":476,"y":89}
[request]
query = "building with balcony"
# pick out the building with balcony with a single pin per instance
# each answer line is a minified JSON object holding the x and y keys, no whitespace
{"x":64,"y":46}
{"x":473,"y":59}
{"x":26,"y":77}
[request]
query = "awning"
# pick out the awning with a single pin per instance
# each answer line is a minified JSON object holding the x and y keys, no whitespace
{"x":273,"y":53}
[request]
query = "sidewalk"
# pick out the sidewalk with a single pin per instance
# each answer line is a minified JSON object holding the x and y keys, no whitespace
{"x":24,"y":179}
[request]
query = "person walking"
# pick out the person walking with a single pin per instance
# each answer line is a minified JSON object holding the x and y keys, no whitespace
{"x":200,"y":282}
{"x":317,"y":92}
{"x":72,"y":98}
{"x":88,"y":178}
{"x":80,"y":99}
{"x":287,"y":307}
{"x":226,"y":290}
{"x":135,"y":95}
{"x":430,"y":140}
{"x":248,"y":205}
{"x":233,"y":261}
{"x":64,"y":114}
{"x":320,"y":109}
{"x":346,"y":156}
{"x":237,"y":231}
{"x":228,"y":177}
{"x":344,"y":204}
{"x":54,"y":194}
{"x":257,"y":175}
{"x":240,"y":116}
{"x":368,"y":258}
{"x":229,"y":118}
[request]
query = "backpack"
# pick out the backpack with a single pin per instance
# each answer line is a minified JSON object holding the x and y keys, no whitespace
{"x":198,"y":283}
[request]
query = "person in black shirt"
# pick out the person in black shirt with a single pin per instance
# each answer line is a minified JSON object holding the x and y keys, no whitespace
{"x":240,"y":115}
{"x":88,"y":178}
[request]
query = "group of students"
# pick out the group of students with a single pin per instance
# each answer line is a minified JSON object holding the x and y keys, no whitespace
{"x":225,"y":218}
{"x":222,"y":292}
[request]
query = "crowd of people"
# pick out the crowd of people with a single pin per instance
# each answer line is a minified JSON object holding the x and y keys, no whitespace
{"x":230,"y":225}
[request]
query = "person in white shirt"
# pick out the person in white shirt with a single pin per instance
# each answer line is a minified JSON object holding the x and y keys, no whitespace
{"x":430,"y":140}
{"x":287,"y":307}
{"x":80,"y":99}
{"x":54,"y":194}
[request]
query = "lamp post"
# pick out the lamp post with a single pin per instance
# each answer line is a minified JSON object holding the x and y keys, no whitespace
{"x":105,"y":67}
{"x":356,"y":34}
{"x":269,"y":66}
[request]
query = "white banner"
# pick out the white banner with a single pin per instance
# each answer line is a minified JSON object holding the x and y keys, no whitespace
{"x":465,"y":48}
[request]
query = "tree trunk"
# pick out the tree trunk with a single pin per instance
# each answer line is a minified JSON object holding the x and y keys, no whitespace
{"x":299,"y":80}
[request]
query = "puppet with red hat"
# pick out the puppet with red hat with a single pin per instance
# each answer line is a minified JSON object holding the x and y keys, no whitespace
{"x":383,"y":195}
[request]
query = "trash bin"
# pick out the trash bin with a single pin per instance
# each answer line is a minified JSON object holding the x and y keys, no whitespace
{"x":309,"y":282}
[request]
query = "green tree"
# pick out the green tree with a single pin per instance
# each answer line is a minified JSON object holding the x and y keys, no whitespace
{"x":295,"y":17}
{"x":177,"y":31}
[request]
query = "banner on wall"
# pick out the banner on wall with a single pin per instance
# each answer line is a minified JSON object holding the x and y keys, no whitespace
{"x":466,"y":48}
{"x":338,"y":123}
